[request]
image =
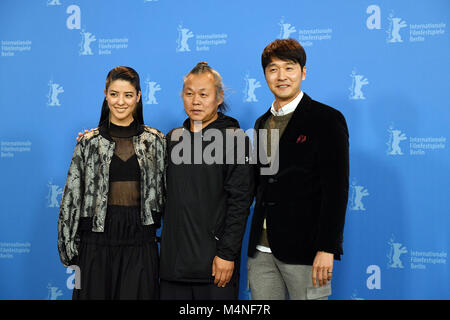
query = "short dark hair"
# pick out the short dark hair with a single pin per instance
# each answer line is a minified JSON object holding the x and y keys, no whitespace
{"x":127,"y":74}
{"x":284,"y":49}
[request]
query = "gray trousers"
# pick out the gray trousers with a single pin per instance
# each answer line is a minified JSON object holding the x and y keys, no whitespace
{"x":271,"y":279}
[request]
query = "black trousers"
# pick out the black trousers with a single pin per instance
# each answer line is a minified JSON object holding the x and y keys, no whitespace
{"x":171,"y":290}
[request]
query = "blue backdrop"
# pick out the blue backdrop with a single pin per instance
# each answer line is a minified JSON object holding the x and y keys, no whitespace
{"x":383,"y":64}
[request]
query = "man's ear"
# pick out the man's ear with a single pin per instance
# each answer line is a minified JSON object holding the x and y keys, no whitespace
{"x":221,"y":97}
{"x":303,"y":73}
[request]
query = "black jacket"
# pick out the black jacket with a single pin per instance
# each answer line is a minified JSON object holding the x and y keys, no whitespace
{"x":207,"y":204}
{"x":305,"y":201}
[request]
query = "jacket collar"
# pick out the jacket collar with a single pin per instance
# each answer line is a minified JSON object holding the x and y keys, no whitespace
{"x":104,"y":132}
{"x":288,"y":108}
{"x":303,"y":108}
{"x":222,"y":122}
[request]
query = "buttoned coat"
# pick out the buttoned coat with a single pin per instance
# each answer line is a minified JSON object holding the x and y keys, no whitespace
{"x":305,"y":201}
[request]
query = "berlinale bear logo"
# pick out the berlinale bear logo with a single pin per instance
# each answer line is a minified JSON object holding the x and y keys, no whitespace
{"x":54,"y":91}
{"x":184,"y":35}
{"x":358,"y":81}
{"x":395,"y":252}
{"x":286,"y":29}
{"x":251,"y":85}
{"x":395,"y":137}
{"x":150,"y":89}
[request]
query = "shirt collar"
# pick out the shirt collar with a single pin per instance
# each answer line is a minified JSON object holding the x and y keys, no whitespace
{"x":290,"y":107}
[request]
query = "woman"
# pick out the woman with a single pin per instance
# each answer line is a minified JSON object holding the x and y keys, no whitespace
{"x":113,"y":199}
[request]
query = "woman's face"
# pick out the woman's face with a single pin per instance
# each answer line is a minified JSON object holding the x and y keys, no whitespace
{"x":122,"y":99}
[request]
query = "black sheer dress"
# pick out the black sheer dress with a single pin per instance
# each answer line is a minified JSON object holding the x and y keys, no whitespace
{"x":121,"y":262}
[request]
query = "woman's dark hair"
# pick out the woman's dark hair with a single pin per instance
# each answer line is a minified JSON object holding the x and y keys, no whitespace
{"x":127,"y":74}
{"x":203,"y":67}
{"x":284,"y":49}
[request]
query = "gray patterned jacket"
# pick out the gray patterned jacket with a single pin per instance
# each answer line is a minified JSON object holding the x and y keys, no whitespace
{"x":86,"y":190}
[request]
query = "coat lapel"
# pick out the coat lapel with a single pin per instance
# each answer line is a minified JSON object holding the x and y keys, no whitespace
{"x":261,"y":120}
{"x":299,"y":121}
{"x":298,"y":126}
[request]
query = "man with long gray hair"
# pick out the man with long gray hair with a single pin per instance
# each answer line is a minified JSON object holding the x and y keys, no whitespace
{"x":209,"y":193}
